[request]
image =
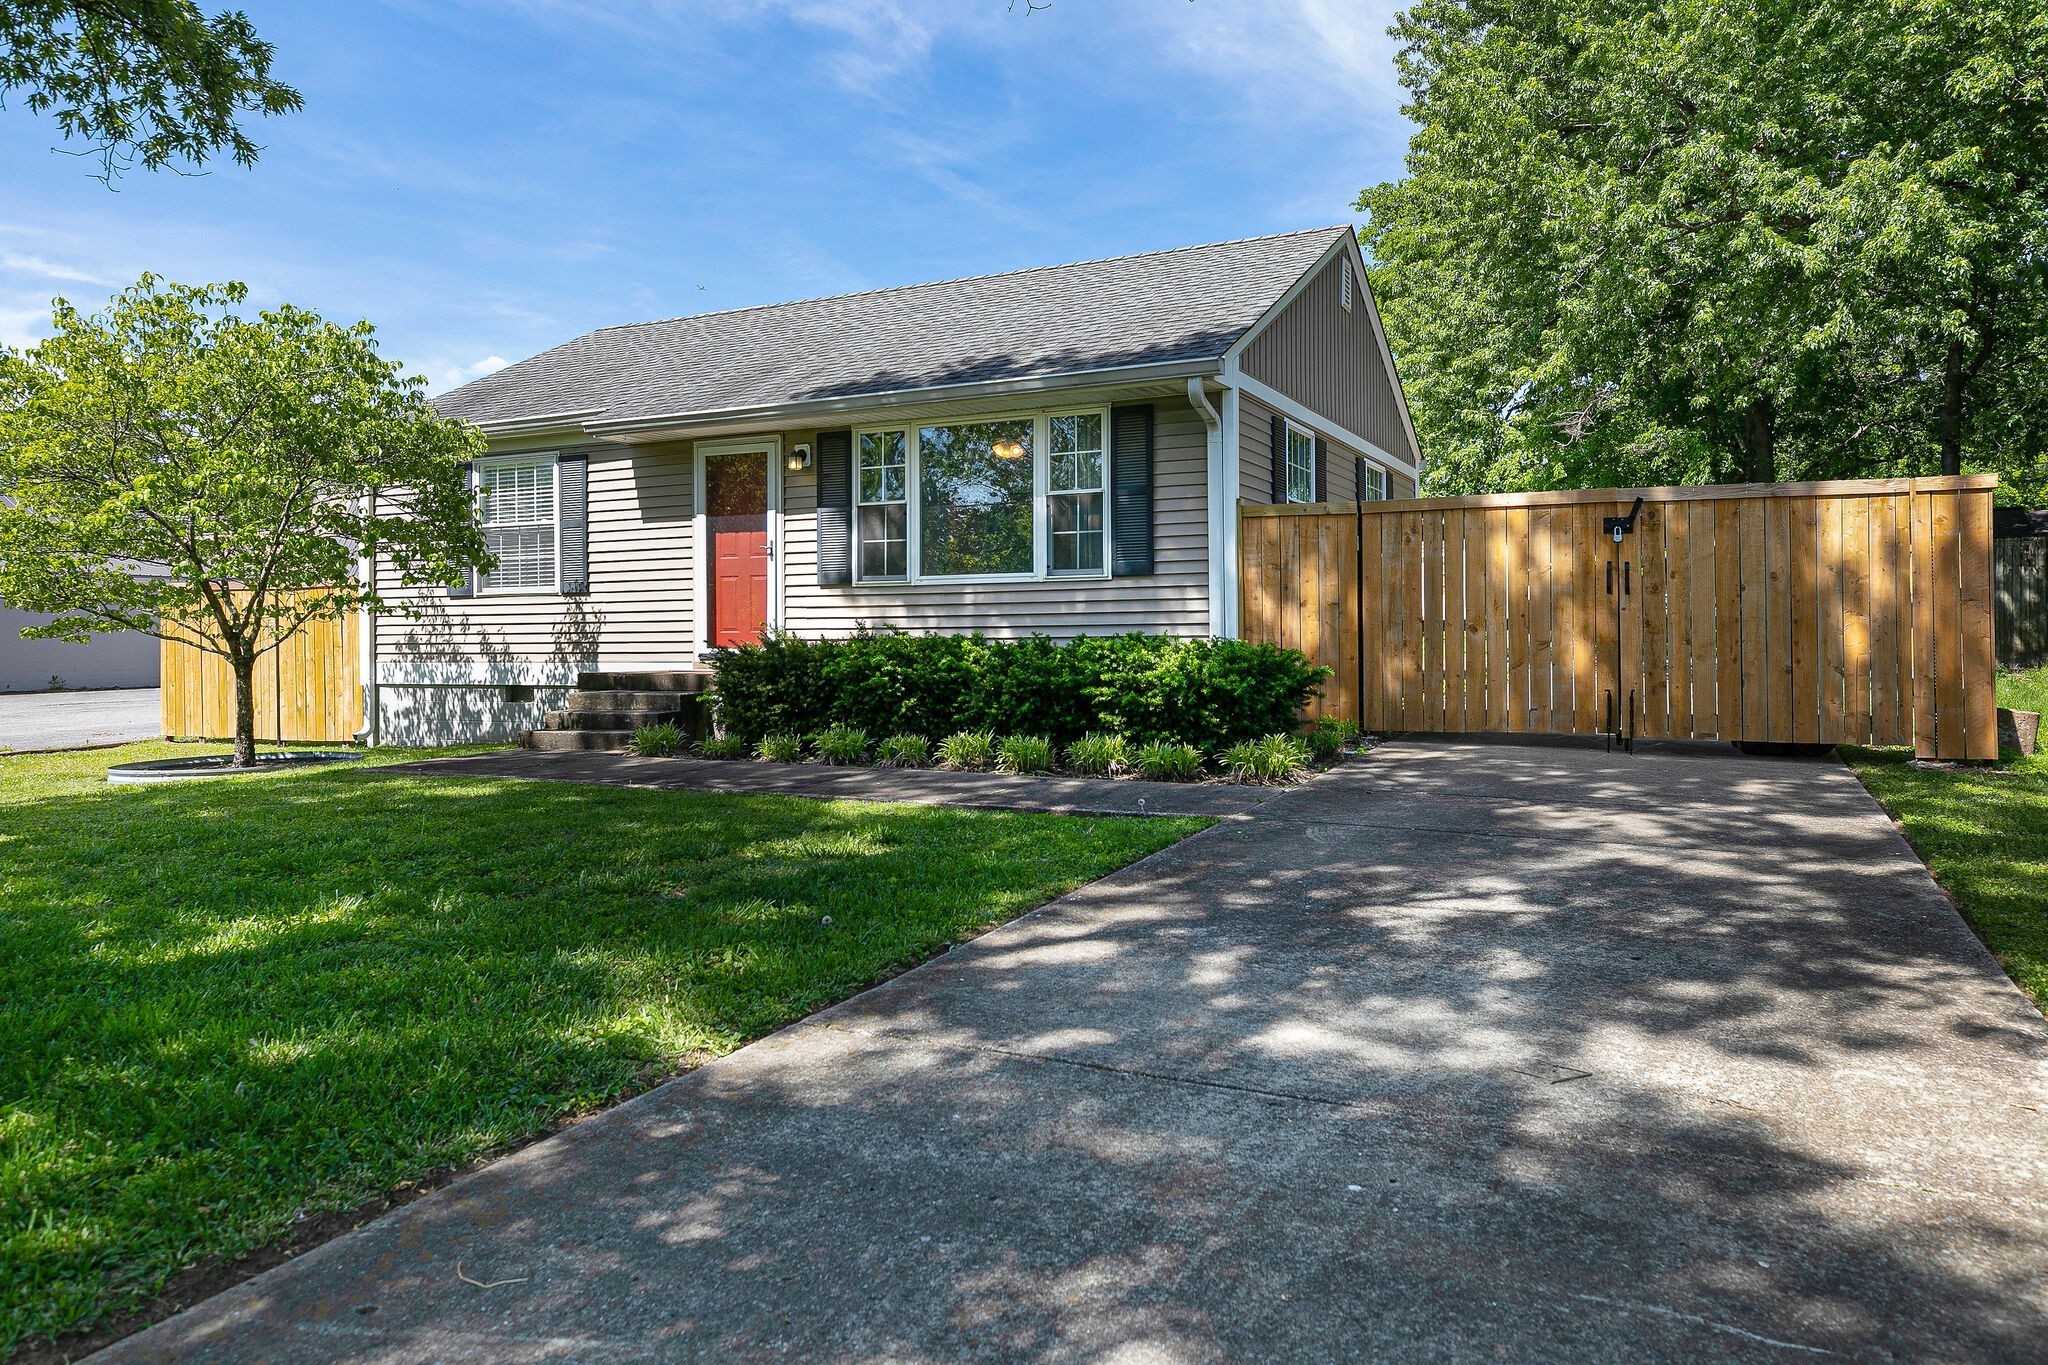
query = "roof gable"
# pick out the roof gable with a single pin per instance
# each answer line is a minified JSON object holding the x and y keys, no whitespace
{"x":1188,"y":304}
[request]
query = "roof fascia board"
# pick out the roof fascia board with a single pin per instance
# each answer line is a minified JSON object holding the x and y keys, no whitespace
{"x":802,"y":413}
{"x":1315,"y":421}
{"x":1294,"y":291}
{"x":1379,"y":331}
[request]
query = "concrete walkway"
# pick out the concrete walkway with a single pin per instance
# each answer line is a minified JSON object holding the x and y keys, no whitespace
{"x":916,"y":786}
{"x":1465,"y":1051}
{"x":36,"y":721}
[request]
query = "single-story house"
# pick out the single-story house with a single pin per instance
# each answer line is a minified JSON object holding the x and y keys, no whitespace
{"x":1058,"y":451}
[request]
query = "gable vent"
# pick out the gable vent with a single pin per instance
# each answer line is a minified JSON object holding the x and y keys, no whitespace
{"x":1344,"y":286}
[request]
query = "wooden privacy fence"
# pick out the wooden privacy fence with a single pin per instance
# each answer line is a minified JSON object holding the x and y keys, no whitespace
{"x":1821,"y":613}
{"x":308,"y":688}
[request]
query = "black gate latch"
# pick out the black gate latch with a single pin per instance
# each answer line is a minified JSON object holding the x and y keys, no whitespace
{"x":1622,"y":526}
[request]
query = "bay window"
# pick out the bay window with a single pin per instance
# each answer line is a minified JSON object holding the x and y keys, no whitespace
{"x":516,"y":503}
{"x":1010,"y":497}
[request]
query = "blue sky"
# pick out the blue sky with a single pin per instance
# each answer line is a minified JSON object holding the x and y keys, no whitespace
{"x":484,"y":180}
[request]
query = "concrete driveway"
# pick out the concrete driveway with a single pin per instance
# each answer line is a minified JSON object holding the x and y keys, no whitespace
{"x":72,"y":720}
{"x":1466,"y":1051}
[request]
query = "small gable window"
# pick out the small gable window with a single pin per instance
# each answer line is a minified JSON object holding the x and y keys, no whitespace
{"x":515,"y":498}
{"x":1375,"y":489}
{"x":1344,"y":286}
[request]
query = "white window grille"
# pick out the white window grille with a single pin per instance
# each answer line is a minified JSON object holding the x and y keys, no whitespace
{"x":516,"y":501}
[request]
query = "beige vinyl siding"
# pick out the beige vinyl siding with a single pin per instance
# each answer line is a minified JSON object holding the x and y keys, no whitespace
{"x":638,"y":611}
{"x":1255,"y":460}
{"x":1174,"y":600}
{"x":1328,"y":360}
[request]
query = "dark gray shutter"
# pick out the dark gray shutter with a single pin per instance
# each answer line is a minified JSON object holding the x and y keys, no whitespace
{"x":1279,"y":459}
{"x":572,"y":482}
{"x":1130,"y":504}
{"x":465,"y":585}
{"x":1322,"y":470}
{"x":835,"y":508}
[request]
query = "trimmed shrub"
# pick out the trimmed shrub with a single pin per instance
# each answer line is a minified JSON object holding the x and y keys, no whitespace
{"x":842,"y":745}
{"x":1163,"y":762}
{"x":1273,"y":759}
{"x":903,"y":751}
{"x":1145,"y":687}
{"x":1099,"y":755}
{"x":658,"y":741}
{"x":779,"y":748}
{"x":1024,"y":754}
{"x":724,"y":746}
{"x":970,"y":751}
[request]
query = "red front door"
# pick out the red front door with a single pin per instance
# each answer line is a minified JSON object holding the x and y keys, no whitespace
{"x":736,"y":505}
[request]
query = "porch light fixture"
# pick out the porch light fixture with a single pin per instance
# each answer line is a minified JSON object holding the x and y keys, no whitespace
{"x":1007,"y":450}
{"x":799,"y":459}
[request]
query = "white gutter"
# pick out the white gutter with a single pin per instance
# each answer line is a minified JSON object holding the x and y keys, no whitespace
{"x":794,"y":414}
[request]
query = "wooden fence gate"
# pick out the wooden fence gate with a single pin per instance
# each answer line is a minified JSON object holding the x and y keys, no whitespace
{"x":309,"y":688}
{"x":1854,"y":612}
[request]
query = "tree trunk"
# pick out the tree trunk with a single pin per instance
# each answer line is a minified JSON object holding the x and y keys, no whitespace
{"x":1759,"y":443}
{"x":1953,"y":380}
{"x":245,"y":711}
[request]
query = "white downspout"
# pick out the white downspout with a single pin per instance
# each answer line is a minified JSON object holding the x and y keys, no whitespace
{"x":1223,"y":483}
{"x":373,"y":708}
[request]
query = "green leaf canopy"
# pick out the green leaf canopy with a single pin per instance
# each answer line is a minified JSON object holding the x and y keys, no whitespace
{"x":1687,"y":242}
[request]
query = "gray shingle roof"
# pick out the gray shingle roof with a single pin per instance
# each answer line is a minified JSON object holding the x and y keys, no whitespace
{"x":1187,"y":304}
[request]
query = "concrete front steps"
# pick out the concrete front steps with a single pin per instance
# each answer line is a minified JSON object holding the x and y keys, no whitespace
{"x":606,"y":708}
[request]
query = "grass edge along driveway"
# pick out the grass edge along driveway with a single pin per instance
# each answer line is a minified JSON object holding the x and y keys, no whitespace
{"x":226,"y":1006}
{"x":1983,"y":833}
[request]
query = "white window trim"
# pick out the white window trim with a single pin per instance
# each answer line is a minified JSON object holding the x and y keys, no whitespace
{"x":554,"y":461}
{"x":768,"y":448}
{"x":1294,"y":429}
{"x":1386,"y":483}
{"x":1041,"y":504}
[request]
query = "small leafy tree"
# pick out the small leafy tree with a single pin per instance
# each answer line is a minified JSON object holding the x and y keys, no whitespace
{"x":148,"y":80}
{"x":170,"y":467}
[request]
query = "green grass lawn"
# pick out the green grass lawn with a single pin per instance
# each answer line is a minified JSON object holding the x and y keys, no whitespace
{"x":226,"y":1004}
{"x":1985,"y":836}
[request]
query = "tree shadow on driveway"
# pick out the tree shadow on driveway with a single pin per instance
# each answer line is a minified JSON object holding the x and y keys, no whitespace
{"x":1463,"y":1051}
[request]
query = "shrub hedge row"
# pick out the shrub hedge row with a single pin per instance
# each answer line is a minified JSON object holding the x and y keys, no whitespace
{"x":1147,"y":688}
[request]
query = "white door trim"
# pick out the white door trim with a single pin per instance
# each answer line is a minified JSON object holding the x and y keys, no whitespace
{"x":768,"y":448}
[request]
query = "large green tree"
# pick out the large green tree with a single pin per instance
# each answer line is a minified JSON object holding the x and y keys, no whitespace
{"x":154,"y":81}
{"x":171,"y":467}
{"x":1721,"y":239}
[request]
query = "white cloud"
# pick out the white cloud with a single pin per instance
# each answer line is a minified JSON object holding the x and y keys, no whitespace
{"x":22,"y":327}
{"x":1321,"y":53}
{"x":41,"y":268}
{"x":445,"y":377}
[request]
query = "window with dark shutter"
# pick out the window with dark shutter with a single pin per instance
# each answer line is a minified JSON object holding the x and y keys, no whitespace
{"x":835,"y":508}
{"x":1130,"y":471}
{"x":1322,"y":476}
